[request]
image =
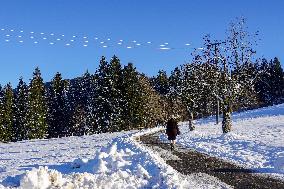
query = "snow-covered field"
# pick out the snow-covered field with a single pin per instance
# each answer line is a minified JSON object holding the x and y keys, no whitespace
{"x":117,"y":160}
{"x":256,"y":141}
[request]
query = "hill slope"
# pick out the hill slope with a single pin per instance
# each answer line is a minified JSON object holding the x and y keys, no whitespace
{"x":256,"y":141}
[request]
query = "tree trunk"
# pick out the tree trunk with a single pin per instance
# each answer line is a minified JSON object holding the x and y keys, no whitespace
{"x":217,"y":111}
{"x":190,"y":123}
{"x":227,"y":122}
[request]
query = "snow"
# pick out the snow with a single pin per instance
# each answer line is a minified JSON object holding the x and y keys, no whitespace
{"x":16,"y":158}
{"x":255,"y":142}
{"x":121,"y":163}
{"x":119,"y":160}
{"x":279,"y":163}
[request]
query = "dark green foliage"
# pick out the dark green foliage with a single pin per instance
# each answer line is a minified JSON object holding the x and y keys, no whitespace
{"x":175,"y":105}
{"x":263,"y":84}
{"x":270,"y":85}
{"x":2,"y":113}
{"x":102,"y":103}
{"x":21,"y":109}
{"x":88,"y":89}
{"x":131,"y":98}
{"x":115,"y":94}
{"x":161,"y":83}
{"x":37,"y":111}
{"x":153,"y":111}
{"x":7,"y":132}
{"x":57,"y":107}
{"x":276,"y":82}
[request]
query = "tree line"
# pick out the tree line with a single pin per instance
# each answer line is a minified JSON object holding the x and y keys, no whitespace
{"x":114,"y":98}
{"x":117,"y":98}
{"x":190,"y":90}
{"x":225,"y":73}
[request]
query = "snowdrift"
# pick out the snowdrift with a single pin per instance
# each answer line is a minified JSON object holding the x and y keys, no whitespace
{"x":123,"y":163}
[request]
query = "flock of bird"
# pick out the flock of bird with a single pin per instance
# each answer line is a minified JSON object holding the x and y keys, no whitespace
{"x":20,"y":36}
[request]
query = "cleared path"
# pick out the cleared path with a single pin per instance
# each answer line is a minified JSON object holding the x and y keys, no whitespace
{"x":190,"y":161}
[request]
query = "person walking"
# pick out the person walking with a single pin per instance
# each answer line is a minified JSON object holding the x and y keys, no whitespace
{"x":172,"y":131}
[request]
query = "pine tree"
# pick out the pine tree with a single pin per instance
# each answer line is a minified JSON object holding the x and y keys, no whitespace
{"x":206,"y":72}
{"x":132,"y":98}
{"x":37,"y":112}
{"x":81,"y":98}
{"x":8,"y":114}
{"x":89,"y":92}
{"x":175,"y":104}
{"x":153,"y":106}
{"x":263,"y":87}
{"x":270,"y":84}
{"x":58,"y":109}
{"x":21,"y":109}
{"x":115,"y":94}
{"x":276,"y":82}
{"x":2,"y":115}
{"x":161,"y":83}
{"x":73,"y":99}
{"x":102,"y":103}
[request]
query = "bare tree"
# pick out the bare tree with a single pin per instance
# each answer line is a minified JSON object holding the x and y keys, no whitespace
{"x":230,"y":61}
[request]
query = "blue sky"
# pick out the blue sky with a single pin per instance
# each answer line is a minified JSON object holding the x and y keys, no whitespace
{"x":159,"y":22}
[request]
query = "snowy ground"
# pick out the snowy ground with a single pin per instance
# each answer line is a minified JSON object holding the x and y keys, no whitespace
{"x":118,"y":161}
{"x":17,"y":158}
{"x":79,"y":162}
{"x":256,"y":141}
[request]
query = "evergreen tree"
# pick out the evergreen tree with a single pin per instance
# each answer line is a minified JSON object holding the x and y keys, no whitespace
{"x":102,"y":103}
{"x":21,"y":109}
{"x":132,"y":98}
{"x":115,"y":94}
{"x":37,"y":112}
{"x":263,"y":87}
{"x":81,"y":98}
{"x":73,"y":99}
{"x":161,"y":83}
{"x":2,"y":115}
{"x":153,"y":105}
{"x":206,"y":72}
{"x":88,"y":88}
{"x":276,"y":82}
{"x":271,"y":82}
{"x":175,"y":105}
{"x":58,"y":109}
{"x":8,"y":114}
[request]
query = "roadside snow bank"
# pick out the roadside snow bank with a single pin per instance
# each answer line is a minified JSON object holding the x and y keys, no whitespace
{"x":18,"y":157}
{"x":123,"y":163}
